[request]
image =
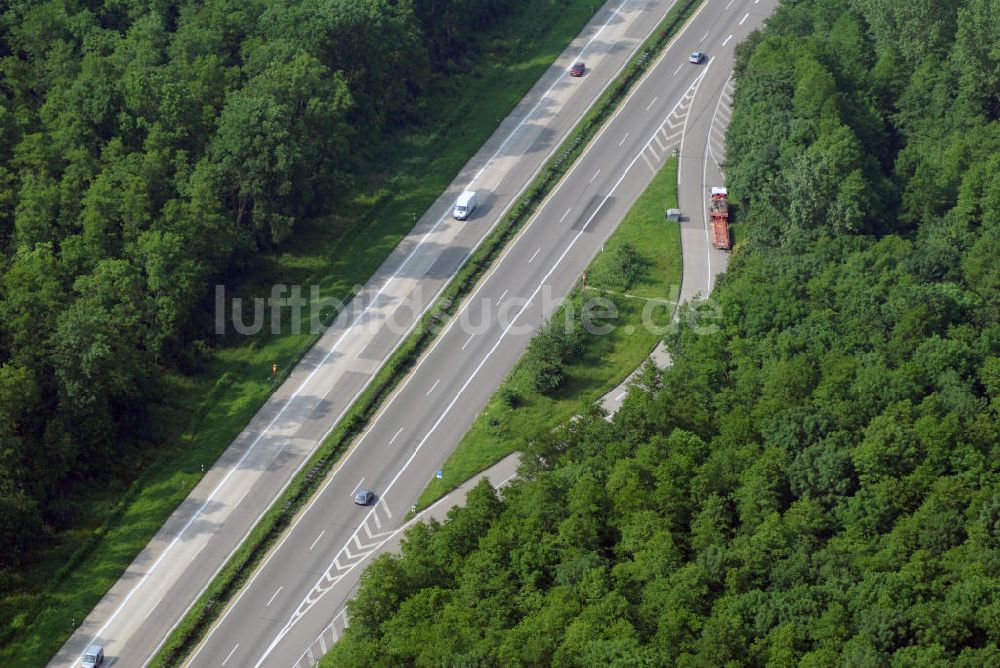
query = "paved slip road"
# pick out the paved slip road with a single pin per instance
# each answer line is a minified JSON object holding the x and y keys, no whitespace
{"x":702,"y":158}
{"x":152,"y":595}
{"x":302,"y":586}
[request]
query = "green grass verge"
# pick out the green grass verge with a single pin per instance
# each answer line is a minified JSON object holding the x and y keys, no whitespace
{"x":207,"y":409}
{"x":237,"y":373}
{"x":606,"y":360}
{"x":234,"y":573}
{"x":200,"y":617}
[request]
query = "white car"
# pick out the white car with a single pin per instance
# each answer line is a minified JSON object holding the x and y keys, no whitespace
{"x":696,"y":57}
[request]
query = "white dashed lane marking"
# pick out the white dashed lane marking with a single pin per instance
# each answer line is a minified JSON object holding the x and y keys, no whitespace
{"x":314,"y":542}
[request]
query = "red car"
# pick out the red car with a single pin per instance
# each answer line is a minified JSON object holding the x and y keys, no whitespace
{"x":577,"y":70}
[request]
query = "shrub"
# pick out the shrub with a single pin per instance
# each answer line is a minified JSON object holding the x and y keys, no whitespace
{"x":624,"y":266}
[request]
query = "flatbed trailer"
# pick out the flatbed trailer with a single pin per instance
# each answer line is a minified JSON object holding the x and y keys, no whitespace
{"x":718,"y":214}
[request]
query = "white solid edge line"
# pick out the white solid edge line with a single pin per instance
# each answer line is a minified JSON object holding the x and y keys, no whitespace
{"x":475,"y":372}
{"x":499,"y":262}
{"x":482,"y":282}
{"x":471,"y":297}
{"x":396,"y":532}
{"x":478,"y":243}
{"x":510,"y":248}
{"x":680,"y":154}
{"x":704,"y":178}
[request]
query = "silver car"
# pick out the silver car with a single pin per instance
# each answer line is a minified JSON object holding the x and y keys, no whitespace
{"x":363,"y":497}
{"x":93,"y":657}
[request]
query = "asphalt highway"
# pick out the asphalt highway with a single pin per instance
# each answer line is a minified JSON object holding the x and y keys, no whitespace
{"x":303,"y":584}
{"x":158,"y":587}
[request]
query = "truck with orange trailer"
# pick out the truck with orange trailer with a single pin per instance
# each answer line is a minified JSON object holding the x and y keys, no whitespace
{"x":718,"y":218}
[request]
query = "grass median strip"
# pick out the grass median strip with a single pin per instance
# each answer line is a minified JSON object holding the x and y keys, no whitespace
{"x":639,"y":270}
{"x":192,"y":628}
{"x":207,"y":406}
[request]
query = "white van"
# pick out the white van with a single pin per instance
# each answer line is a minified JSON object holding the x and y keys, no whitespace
{"x":93,"y":657}
{"x":465,"y":205}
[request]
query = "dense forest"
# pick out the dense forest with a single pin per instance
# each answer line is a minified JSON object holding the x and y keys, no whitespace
{"x":816,"y":482}
{"x":147,"y":149}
